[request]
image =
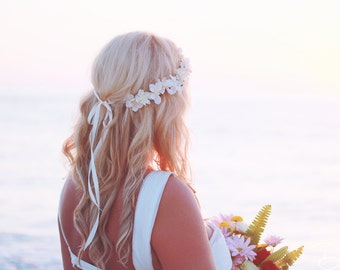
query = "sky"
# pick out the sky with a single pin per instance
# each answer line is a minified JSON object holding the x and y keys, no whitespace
{"x":234,"y":46}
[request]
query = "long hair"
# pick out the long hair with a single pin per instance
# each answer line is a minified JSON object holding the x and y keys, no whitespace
{"x":154,"y":137}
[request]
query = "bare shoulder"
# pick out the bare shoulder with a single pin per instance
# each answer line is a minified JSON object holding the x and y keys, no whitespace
{"x":179,"y":238}
{"x":176,"y":189}
{"x":69,"y":199}
{"x":178,"y":204}
{"x":69,"y":186}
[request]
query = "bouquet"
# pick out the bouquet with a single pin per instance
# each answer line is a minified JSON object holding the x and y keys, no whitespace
{"x":244,"y":243}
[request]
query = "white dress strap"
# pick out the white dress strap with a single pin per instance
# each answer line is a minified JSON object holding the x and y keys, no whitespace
{"x":148,"y":200}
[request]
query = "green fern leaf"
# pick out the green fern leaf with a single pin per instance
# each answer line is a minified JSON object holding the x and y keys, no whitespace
{"x":277,"y":255}
{"x":256,"y":228}
{"x":292,"y":256}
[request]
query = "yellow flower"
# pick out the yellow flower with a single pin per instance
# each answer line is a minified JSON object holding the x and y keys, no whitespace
{"x":224,"y":224}
{"x":236,"y":218}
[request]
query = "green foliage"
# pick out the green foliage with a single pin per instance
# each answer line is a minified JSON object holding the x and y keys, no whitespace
{"x":277,"y":255}
{"x":256,"y":228}
{"x":290,"y":258}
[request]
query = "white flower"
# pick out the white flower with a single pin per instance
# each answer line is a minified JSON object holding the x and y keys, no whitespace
{"x":180,"y":73}
{"x":184,"y":70}
{"x":142,"y":97}
{"x":132,"y":103}
{"x":241,"y":226}
{"x":156,"y":90}
{"x":156,"y":98}
{"x":173,"y":85}
{"x":185,"y":63}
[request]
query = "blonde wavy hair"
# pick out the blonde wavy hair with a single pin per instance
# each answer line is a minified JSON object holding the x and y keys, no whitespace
{"x":155,"y":137}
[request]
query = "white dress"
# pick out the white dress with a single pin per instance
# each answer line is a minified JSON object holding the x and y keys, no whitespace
{"x":145,"y":215}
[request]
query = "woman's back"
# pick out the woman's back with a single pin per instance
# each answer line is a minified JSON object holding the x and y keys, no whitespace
{"x":178,"y":241}
{"x":70,"y":198}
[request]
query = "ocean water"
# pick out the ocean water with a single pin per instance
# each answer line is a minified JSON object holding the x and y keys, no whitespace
{"x":248,"y":150}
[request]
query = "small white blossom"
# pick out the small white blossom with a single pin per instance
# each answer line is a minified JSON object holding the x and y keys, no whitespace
{"x":157,"y":88}
{"x":156,"y":98}
{"x":180,"y":73}
{"x":132,"y":103}
{"x":143,"y":97}
{"x":241,"y":226}
{"x":184,"y":70}
{"x":173,"y":85}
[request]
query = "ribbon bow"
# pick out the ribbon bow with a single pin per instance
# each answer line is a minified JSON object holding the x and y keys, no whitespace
{"x":93,"y":119}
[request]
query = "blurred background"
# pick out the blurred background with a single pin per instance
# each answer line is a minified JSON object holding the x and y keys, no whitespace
{"x":265,"y":116}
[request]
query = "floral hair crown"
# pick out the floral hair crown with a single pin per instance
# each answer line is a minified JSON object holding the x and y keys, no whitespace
{"x":172,"y":85}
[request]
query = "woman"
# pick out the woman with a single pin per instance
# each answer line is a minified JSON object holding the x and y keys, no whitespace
{"x":127,"y":203}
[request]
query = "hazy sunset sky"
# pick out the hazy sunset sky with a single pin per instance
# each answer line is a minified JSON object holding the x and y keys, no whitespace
{"x":234,"y":46}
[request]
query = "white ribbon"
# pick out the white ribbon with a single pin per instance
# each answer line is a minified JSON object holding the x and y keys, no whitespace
{"x":93,"y":119}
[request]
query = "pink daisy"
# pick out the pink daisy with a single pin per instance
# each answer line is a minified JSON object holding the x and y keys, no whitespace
{"x":237,"y":261}
{"x":240,"y":246}
{"x":273,"y":240}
